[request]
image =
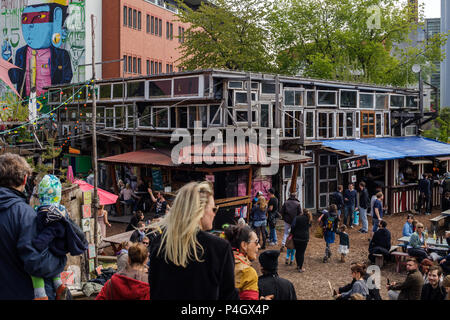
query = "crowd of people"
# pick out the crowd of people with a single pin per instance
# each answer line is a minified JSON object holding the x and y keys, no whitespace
{"x":177,"y":258}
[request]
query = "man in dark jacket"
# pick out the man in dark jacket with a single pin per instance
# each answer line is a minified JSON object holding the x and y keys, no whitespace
{"x":381,"y":242}
{"x":424,"y":193}
{"x":270,"y":284}
{"x":338,"y":199}
{"x":349,"y":205}
{"x":364,"y":204}
{"x":433,"y":290}
{"x":411,"y":288}
{"x":290,"y":209}
{"x":18,"y":227}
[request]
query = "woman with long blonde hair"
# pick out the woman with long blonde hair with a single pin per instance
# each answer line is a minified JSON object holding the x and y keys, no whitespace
{"x":259,"y":214}
{"x":186,"y":262}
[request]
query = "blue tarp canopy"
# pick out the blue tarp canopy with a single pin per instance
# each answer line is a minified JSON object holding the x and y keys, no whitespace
{"x":391,"y":148}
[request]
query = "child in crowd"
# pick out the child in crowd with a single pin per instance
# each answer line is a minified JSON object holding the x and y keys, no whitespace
{"x":139,"y":234}
{"x":56,"y":231}
{"x":290,"y":255}
{"x":344,"y":242}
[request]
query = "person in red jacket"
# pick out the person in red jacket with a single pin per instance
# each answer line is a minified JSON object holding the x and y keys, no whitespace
{"x":132,"y":282}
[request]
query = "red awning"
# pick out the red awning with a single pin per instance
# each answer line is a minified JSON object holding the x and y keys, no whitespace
{"x":150,"y":157}
{"x":247,"y":153}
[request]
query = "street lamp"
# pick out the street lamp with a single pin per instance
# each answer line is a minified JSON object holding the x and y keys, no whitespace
{"x":417,"y":69}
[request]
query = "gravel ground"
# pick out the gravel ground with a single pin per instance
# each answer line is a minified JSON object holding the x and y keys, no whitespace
{"x":312,"y":284}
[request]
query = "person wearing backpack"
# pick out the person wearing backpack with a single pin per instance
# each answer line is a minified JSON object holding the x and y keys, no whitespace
{"x":329,"y":221}
{"x":338,"y":199}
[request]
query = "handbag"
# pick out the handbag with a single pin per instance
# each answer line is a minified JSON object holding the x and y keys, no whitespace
{"x":319,"y":232}
{"x":290,"y":242}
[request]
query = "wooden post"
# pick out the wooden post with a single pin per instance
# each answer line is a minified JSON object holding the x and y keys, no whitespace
{"x":293,"y":187}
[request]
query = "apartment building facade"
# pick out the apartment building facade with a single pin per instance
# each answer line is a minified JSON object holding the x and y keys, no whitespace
{"x":146,"y":34}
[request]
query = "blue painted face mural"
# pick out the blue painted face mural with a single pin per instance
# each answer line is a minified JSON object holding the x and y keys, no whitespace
{"x":39,"y":24}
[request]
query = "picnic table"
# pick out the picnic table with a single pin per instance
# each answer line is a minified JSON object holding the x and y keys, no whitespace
{"x":433,"y":245}
{"x":117,"y":239}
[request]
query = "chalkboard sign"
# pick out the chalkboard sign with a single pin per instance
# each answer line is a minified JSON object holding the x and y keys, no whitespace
{"x":157,"y":179}
{"x":353,"y":164}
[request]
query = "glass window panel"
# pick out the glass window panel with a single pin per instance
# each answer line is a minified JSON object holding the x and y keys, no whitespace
{"x":268,"y":88}
{"x":323,"y":187}
{"x":145,"y":119}
{"x":366,"y":100}
{"x":326,"y":98}
{"x":333,"y":160}
{"x":323,"y":160}
{"x":330,"y":125}
{"x":160,"y":118}
{"x":288,"y":171}
{"x":310,"y":124}
{"x":411,"y":103}
{"x":192,"y":116}
{"x":160,"y":88}
{"x":186,"y":86}
{"x":289,"y":124}
{"x":203,"y":114}
{"x":109,"y":117}
{"x":379,"y":124}
{"x":387,"y":124}
{"x":105,"y":91}
{"x":323,"y":201}
{"x":397,"y":101}
{"x":332,"y":173}
{"x":309,"y":188}
{"x":135,"y":89}
{"x":182,"y":117}
{"x":241,"y":97}
{"x":100,"y":115}
{"x":340,"y":121}
{"x":382,"y":101}
{"x":323,"y":173}
{"x":118,"y":90}
{"x":349,"y":99}
{"x":349,"y":124}
{"x":310,"y":98}
{"x":289,"y":97}
{"x":265,"y":115}
{"x":235,"y":84}
{"x":332,"y":186}
{"x":241,"y":115}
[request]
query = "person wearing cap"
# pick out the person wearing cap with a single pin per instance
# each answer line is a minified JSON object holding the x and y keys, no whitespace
{"x":269,"y":283}
{"x":290,"y":209}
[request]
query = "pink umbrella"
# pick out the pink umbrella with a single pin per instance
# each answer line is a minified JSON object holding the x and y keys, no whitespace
{"x":104,"y":196}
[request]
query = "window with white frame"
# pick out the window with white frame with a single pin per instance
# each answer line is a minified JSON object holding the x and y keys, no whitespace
{"x":235,"y":85}
{"x":411,"y":130}
{"x":130,"y":117}
{"x":265,"y":115}
{"x":293,"y":97}
{"x":379,"y":124}
{"x":309,"y":124}
{"x":160,"y":117}
{"x":349,"y":121}
{"x":382,"y":101}
{"x":397,"y":101}
{"x":241,"y":116}
{"x":348,"y":99}
{"x":340,"y":124}
{"x":412,"y":102}
{"x":119,"y":117}
{"x":109,"y":121}
{"x":292,"y":123}
{"x":310,"y":98}
{"x":327,"y":178}
{"x":101,"y":115}
{"x":240,"y":97}
{"x":366,"y":100}
{"x":325,"y":125}
{"x":326,"y":98}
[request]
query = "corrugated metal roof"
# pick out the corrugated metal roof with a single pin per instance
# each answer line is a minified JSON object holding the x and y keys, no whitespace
{"x":391,"y":148}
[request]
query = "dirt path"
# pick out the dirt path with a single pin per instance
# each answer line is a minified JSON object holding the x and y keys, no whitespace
{"x":312,"y":284}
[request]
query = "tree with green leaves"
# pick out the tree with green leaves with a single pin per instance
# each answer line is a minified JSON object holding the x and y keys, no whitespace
{"x":226,"y":34}
{"x":441,"y":129}
{"x":350,"y":40}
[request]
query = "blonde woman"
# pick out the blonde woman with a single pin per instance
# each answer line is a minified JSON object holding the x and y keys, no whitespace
{"x":186,"y":262}
{"x":259,"y":214}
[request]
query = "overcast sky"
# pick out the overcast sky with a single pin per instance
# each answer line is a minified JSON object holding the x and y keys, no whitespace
{"x":432,"y":8}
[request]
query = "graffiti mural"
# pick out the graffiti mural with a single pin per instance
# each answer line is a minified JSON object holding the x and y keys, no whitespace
{"x":45,"y":39}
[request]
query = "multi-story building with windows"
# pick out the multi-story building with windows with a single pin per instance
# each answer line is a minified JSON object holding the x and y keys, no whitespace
{"x":144,"y":33}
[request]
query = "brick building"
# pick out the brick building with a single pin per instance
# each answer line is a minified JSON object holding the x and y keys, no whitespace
{"x":146,"y":36}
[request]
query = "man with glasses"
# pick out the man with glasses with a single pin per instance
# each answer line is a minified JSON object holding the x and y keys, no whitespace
{"x":411,"y":288}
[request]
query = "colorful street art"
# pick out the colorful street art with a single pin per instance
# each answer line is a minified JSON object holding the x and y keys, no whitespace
{"x":45,"y":39}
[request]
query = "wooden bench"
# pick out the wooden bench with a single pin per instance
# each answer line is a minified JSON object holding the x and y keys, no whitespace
{"x":400,"y":258}
{"x":435,"y":222}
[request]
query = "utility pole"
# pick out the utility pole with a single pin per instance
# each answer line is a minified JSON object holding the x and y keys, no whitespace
{"x":94,"y":144}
